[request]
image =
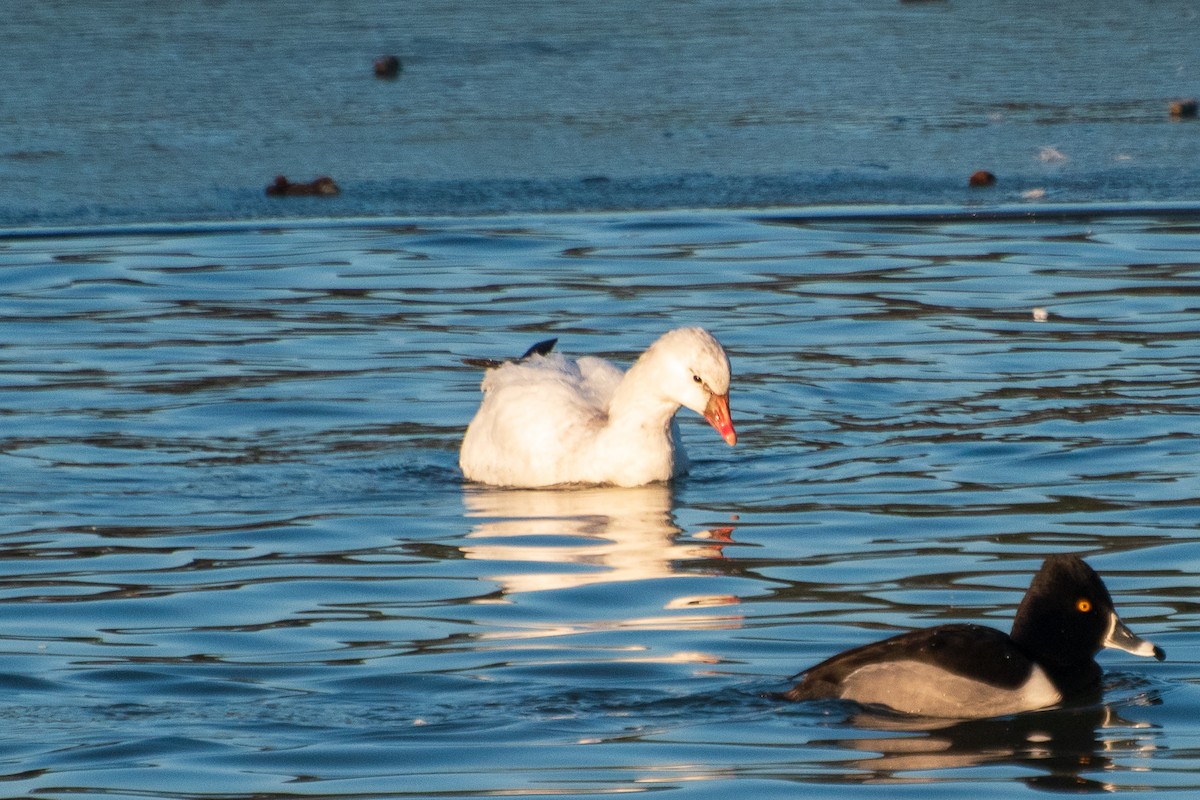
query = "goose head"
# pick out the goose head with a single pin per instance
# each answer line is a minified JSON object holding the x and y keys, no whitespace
{"x":693,"y":370}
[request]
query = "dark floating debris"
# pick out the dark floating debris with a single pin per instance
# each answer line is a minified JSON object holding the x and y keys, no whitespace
{"x":282,"y":187}
{"x":981,"y":178}
{"x":1185,"y":108}
{"x":387,"y":67}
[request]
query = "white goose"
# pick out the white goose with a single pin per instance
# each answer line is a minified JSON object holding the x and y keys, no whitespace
{"x":546,"y":421}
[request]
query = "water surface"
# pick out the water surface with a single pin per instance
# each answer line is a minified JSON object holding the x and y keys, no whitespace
{"x":119,"y":111}
{"x":239,"y":559}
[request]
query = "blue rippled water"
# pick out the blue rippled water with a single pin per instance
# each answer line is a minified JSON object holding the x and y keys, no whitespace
{"x":237,"y":558}
{"x":240,"y":561}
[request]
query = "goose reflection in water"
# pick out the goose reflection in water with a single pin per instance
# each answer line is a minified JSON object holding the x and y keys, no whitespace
{"x":1070,"y":748}
{"x":594,"y":535}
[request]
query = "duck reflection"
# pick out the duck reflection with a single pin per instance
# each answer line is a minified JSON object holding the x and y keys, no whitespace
{"x":593,"y":535}
{"x":1060,"y":744}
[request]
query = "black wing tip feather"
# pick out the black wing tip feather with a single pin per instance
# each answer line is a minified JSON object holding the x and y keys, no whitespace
{"x":542,"y":348}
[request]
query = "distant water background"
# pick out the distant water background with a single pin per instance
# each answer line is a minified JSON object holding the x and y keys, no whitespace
{"x":238,"y":559}
{"x":126,"y":112}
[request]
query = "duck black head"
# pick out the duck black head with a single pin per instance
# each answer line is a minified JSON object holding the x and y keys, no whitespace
{"x":1066,"y":617}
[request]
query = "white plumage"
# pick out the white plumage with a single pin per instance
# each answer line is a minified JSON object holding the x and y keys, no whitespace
{"x":545,"y":420}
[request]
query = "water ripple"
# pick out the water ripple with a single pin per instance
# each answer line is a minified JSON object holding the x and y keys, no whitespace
{"x":239,"y":554}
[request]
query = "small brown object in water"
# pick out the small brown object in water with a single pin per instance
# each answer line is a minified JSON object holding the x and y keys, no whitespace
{"x":282,"y":187}
{"x":981,"y":178}
{"x":1183,"y":108}
{"x":387,"y":67}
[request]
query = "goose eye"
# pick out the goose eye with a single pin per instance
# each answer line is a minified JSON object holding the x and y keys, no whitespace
{"x":1083,"y":604}
{"x":697,"y":379}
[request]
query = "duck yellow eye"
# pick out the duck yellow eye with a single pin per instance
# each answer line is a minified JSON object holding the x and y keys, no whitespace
{"x":1083,"y":605}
